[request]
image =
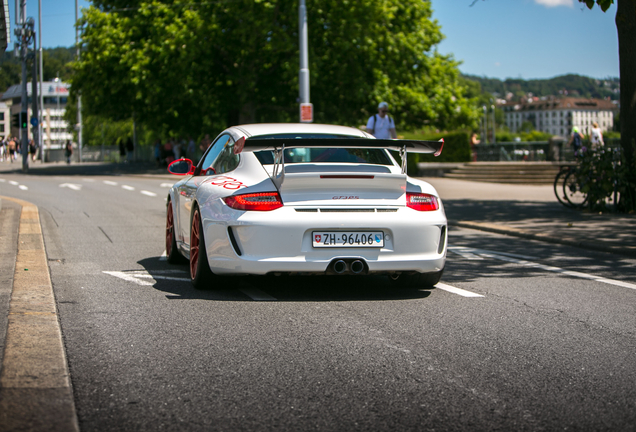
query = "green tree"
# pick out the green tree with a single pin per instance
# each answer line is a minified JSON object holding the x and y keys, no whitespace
{"x":626,"y":26}
{"x":184,"y":68}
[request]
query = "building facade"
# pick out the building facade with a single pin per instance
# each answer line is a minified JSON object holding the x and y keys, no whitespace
{"x":5,"y":120}
{"x":54,"y":128}
{"x":558,"y":116}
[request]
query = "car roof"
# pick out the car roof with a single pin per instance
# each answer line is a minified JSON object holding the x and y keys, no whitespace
{"x":251,"y":130}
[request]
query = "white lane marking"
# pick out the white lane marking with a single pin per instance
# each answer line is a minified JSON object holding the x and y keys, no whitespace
{"x":110,"y":183}
{"x":455,"y":290}
{"x":558,"y":270}
{"x":467,"y":255}
{"x":152,"y":194}
{"x":71,"y":186}
{"x":127,"y":187}
{"x":166,"y":185}
{"x":164,"y":256}
{"x":138,"y":276}
{"x":23,"y":187}
{"x":256,"y":294}
{"x":89,"y":180}
{"x":2,"y":180}
{"x":130,"y":277}
{"x":465,"y":249}
{"x":14,"y":183}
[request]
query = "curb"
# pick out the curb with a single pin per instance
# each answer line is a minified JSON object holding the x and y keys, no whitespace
{"x":515,"y":232}
{"x":35,"y":385}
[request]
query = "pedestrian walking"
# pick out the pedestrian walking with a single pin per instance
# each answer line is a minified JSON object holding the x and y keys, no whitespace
{"x":576,"y":141}
{"x":381,"y":125}
{"x":12,"y":148}
{"x":473,"y":142}
{"x":596,"y":136}
{"x":68,"y":151}
{"x":2,"y":150}
{"x":32,"y":150}
{"x":130,"y":150}
{"x":192,"y":149}
{"x":205,"y":143}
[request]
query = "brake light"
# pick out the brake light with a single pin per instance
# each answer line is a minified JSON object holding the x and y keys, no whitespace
{"x":421,"y":201}
{"x":263,"y":201}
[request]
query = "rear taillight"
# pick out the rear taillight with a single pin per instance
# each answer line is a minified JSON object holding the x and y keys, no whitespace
{"x":421,"y":201}
{"x":263,"y":201}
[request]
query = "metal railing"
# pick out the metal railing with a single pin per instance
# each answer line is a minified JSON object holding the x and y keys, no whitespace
{"x":556,"y":150}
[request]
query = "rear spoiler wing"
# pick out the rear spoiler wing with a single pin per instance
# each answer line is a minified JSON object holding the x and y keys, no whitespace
{"x":278,"y":145}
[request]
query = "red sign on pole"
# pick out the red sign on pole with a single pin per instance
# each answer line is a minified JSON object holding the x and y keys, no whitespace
{"x":306,"y":113}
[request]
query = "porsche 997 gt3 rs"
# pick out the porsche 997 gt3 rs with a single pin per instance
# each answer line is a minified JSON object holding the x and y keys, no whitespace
{"x":305,"y":199}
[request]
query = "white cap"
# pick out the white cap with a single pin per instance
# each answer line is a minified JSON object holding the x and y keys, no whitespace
{"x":383,"y":105}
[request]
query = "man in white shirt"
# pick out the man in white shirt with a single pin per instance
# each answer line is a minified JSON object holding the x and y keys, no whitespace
{"x":381,"y":125}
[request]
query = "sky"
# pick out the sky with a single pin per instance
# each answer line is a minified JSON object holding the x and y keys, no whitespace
{"x":494,"y":38}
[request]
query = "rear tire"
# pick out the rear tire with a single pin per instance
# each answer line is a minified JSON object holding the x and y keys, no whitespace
{"x":558,"y":187}
{"x":572,"y":191}
{"x":417,"y":280}
{"x":200,"y":274}
{"x":172,"y":252}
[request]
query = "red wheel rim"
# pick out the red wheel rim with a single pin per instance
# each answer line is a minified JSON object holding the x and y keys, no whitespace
{"x":169,"y":230}
{"x":194,"y":245}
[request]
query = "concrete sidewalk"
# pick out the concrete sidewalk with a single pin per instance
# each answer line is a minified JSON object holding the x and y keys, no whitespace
{"x":533,"y":212}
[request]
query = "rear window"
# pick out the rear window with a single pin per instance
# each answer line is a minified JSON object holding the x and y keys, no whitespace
{"x":324,"y":155}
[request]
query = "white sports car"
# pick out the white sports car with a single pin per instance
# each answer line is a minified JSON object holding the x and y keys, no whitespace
{"x":305,"y":199}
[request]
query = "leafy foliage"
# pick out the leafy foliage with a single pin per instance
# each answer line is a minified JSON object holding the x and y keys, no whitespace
{"x":185,"y":68}
{"x":599,"y":172}
{"x":56,"y":62}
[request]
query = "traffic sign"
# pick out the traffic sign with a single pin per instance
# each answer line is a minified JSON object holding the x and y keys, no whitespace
{"x":306,"y":113}
{"x":34,"y":121}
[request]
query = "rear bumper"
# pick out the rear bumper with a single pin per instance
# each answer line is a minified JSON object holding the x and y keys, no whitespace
{"x":281,"y":241}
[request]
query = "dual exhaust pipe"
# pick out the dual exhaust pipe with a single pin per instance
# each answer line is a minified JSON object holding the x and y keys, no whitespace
{"x":351,"y":266}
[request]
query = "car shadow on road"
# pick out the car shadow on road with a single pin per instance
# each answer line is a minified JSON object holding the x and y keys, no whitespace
{"x":174,"y":281}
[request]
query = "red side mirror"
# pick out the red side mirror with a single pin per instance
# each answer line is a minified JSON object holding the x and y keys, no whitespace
{"x":181,"y":167}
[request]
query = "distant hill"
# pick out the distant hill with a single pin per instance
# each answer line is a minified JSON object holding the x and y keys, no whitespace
{"x":566,"y":85}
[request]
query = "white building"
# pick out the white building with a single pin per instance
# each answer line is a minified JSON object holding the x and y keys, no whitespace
{"x":558,"y":116}
{"x":5,"y":120}
{"x":54,"y":128}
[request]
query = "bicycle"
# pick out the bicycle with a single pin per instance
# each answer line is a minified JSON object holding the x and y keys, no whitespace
{"x":567,"y":189}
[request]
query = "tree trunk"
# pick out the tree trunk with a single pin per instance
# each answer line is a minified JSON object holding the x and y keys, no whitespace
{"x":626,"y":26}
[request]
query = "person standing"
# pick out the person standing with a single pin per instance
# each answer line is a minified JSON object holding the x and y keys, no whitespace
{"x":68,"y":151}
{"x":11,"y":148}
{"x":596,"y":136}
{"x":473,"y":142}
{"x":2,"y":150}
{"x":381,"y":125}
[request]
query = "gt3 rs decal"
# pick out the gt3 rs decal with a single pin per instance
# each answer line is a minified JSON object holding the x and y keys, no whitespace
{"x":227,"y":183}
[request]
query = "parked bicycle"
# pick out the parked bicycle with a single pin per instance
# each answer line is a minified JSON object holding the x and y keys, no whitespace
{"x":593,"y":182}
{"x":567,"y":188}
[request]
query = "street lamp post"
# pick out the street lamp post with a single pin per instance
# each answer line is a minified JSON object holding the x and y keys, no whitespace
{"x":306,"y":108}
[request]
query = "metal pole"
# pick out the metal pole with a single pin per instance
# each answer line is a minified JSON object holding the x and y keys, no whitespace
{"x":34,"y":97}
{"x":494,"y":135}
{"x":303,"y":77}
{"x":79,"y":97}
{"x":485,"y":124}
{"x":23,"y":101}
{"x":41,"y":92}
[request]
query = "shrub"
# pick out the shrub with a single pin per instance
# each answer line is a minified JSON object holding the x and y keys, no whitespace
{"x":597,"y":174}
{"x":456,"y":148}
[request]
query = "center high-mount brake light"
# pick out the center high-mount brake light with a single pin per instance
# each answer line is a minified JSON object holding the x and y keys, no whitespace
{"x":263,"y":201}
{"x":421,"y":201}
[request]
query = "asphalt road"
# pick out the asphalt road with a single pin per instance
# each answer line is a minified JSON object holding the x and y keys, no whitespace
{"x":521,"y":335}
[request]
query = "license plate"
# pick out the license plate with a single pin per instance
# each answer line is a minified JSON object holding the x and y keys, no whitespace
{"x":348,"y":238}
